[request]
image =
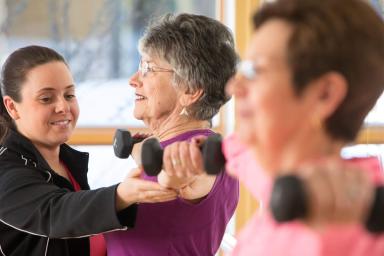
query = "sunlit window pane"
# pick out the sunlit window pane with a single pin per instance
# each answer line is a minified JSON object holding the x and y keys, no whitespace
{"x":376,"y":116}
{"x":98,"y":38}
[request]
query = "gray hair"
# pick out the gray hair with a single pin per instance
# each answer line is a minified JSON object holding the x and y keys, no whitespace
{"x":201,"y":52}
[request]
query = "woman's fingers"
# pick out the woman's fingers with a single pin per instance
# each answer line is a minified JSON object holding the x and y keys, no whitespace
{"x":169,"y":161}
{"x":196,"y":157}
{"x":182,"y":159}
{"x":154,"y":192}
{"x":152,"y":196}
{"x":135,"y":190}
{"x":337,"y":193}
{"x":186,"y":168}
{"x":177,"y":162}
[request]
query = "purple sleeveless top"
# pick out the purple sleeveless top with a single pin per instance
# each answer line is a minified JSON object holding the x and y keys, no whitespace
{"x":178,"y":227}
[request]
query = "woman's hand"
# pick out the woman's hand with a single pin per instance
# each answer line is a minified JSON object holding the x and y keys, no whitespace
{"x":135,"y":190}
{"x":183,"y":159}
{"x":136,"y":150}
{"x":338,"y":193}
{"x":184,"y":171}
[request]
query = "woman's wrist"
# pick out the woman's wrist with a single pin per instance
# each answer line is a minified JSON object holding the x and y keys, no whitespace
{"x":121,"y":202}
{"x":172,"y":181}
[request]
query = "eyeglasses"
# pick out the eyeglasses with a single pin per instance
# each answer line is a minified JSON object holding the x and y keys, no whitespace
{"x":144,"y":68}
{"x":247,"y":69}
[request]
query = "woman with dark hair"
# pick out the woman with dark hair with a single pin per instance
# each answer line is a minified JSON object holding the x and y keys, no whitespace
{"x":46,"y":207}
{"x":186,"y":60}
{"x":312,"y":72}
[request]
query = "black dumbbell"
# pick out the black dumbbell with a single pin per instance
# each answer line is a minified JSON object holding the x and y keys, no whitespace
{"x":213,"y":158}
{"x":123,"y":143}
{"x":289,"y":201}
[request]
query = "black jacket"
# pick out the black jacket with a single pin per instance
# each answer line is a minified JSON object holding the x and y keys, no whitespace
{"x":39,"y":212}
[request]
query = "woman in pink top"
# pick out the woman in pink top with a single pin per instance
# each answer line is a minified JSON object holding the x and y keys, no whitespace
{"x":312,"y":72}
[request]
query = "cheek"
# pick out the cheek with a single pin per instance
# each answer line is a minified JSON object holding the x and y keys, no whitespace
{"x":75,"y":111}
{"x":280,"y":125}
{"x":34,"y":114}
{"x":266,"y":122}
{"x":154,"y":98}
{"x":164,"y":98}
{"x":33,"y":120}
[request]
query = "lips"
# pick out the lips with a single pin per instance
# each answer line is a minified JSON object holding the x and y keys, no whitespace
{"x":61,"y":122}
{"x":139,"y":97}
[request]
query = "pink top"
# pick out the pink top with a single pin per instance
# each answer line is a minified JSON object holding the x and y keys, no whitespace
{"x":263,"y":236}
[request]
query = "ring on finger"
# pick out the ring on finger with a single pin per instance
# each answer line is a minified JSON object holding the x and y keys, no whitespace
{"x":175,"y":161}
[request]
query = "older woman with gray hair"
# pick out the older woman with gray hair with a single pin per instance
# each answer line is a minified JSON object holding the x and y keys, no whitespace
{"x":185,"y":63}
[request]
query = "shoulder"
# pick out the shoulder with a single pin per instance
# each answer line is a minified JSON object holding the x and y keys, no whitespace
{"x":225,"y":184}
{"x":224,"y":187}
{"x":15,"y":168}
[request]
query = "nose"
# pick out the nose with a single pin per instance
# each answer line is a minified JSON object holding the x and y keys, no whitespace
{"x":135,"y":80}
{"x":62,"y":105}
{"x":235,"y":86}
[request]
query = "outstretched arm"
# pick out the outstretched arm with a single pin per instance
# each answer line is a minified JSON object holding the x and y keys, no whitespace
{"x":135,"y":190}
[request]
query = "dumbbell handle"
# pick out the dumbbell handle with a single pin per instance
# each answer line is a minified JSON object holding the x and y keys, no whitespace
{"x":289,"y":201}
{"x":123,"y":143}
{"x":213,"y":158}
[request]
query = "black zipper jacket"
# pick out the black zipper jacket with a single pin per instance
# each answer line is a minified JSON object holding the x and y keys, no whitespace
{"x":40,"y":214}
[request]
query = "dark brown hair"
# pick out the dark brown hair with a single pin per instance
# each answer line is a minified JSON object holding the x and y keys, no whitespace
{"x":344,"y":36}
{"x":14,"y":74}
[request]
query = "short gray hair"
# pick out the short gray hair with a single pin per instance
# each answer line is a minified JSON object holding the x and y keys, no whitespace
{"x":201,"y":52}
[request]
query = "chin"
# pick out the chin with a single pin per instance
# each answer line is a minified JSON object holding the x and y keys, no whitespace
{"x":60,"y":142}
{"x":62,"y":139}
{"x":138,"y":116}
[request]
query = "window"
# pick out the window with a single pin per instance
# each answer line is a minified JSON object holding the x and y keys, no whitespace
{"x":98,"y":38}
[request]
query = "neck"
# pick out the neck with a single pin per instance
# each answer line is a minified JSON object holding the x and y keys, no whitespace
{"x":312,"y":153}
{"x":51,"y":155}
{"x":172,"y":127}
{"x":305,"y":150}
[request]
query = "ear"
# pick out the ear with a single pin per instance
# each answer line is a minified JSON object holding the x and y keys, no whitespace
{"x":330,"y":91}
{"x":10,"y":105}
{"x":188,"y":98}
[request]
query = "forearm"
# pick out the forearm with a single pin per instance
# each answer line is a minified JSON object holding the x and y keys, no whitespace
{"x":57,"y":213}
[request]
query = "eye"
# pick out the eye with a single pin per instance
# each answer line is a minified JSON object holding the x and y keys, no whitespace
{"x":69,"y":96}
{"x":45,"y":99}
{"x":145,"y":68}
{"x":247,"y":69}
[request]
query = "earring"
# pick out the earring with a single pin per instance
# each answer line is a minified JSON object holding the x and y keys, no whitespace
{"x":184,"y":112}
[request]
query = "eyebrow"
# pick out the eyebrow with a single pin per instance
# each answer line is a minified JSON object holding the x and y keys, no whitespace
{"x":150,"y":61}
{"x":52,"y":89}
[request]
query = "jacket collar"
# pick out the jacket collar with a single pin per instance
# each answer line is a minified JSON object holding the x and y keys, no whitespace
{"x":76,"y":161}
